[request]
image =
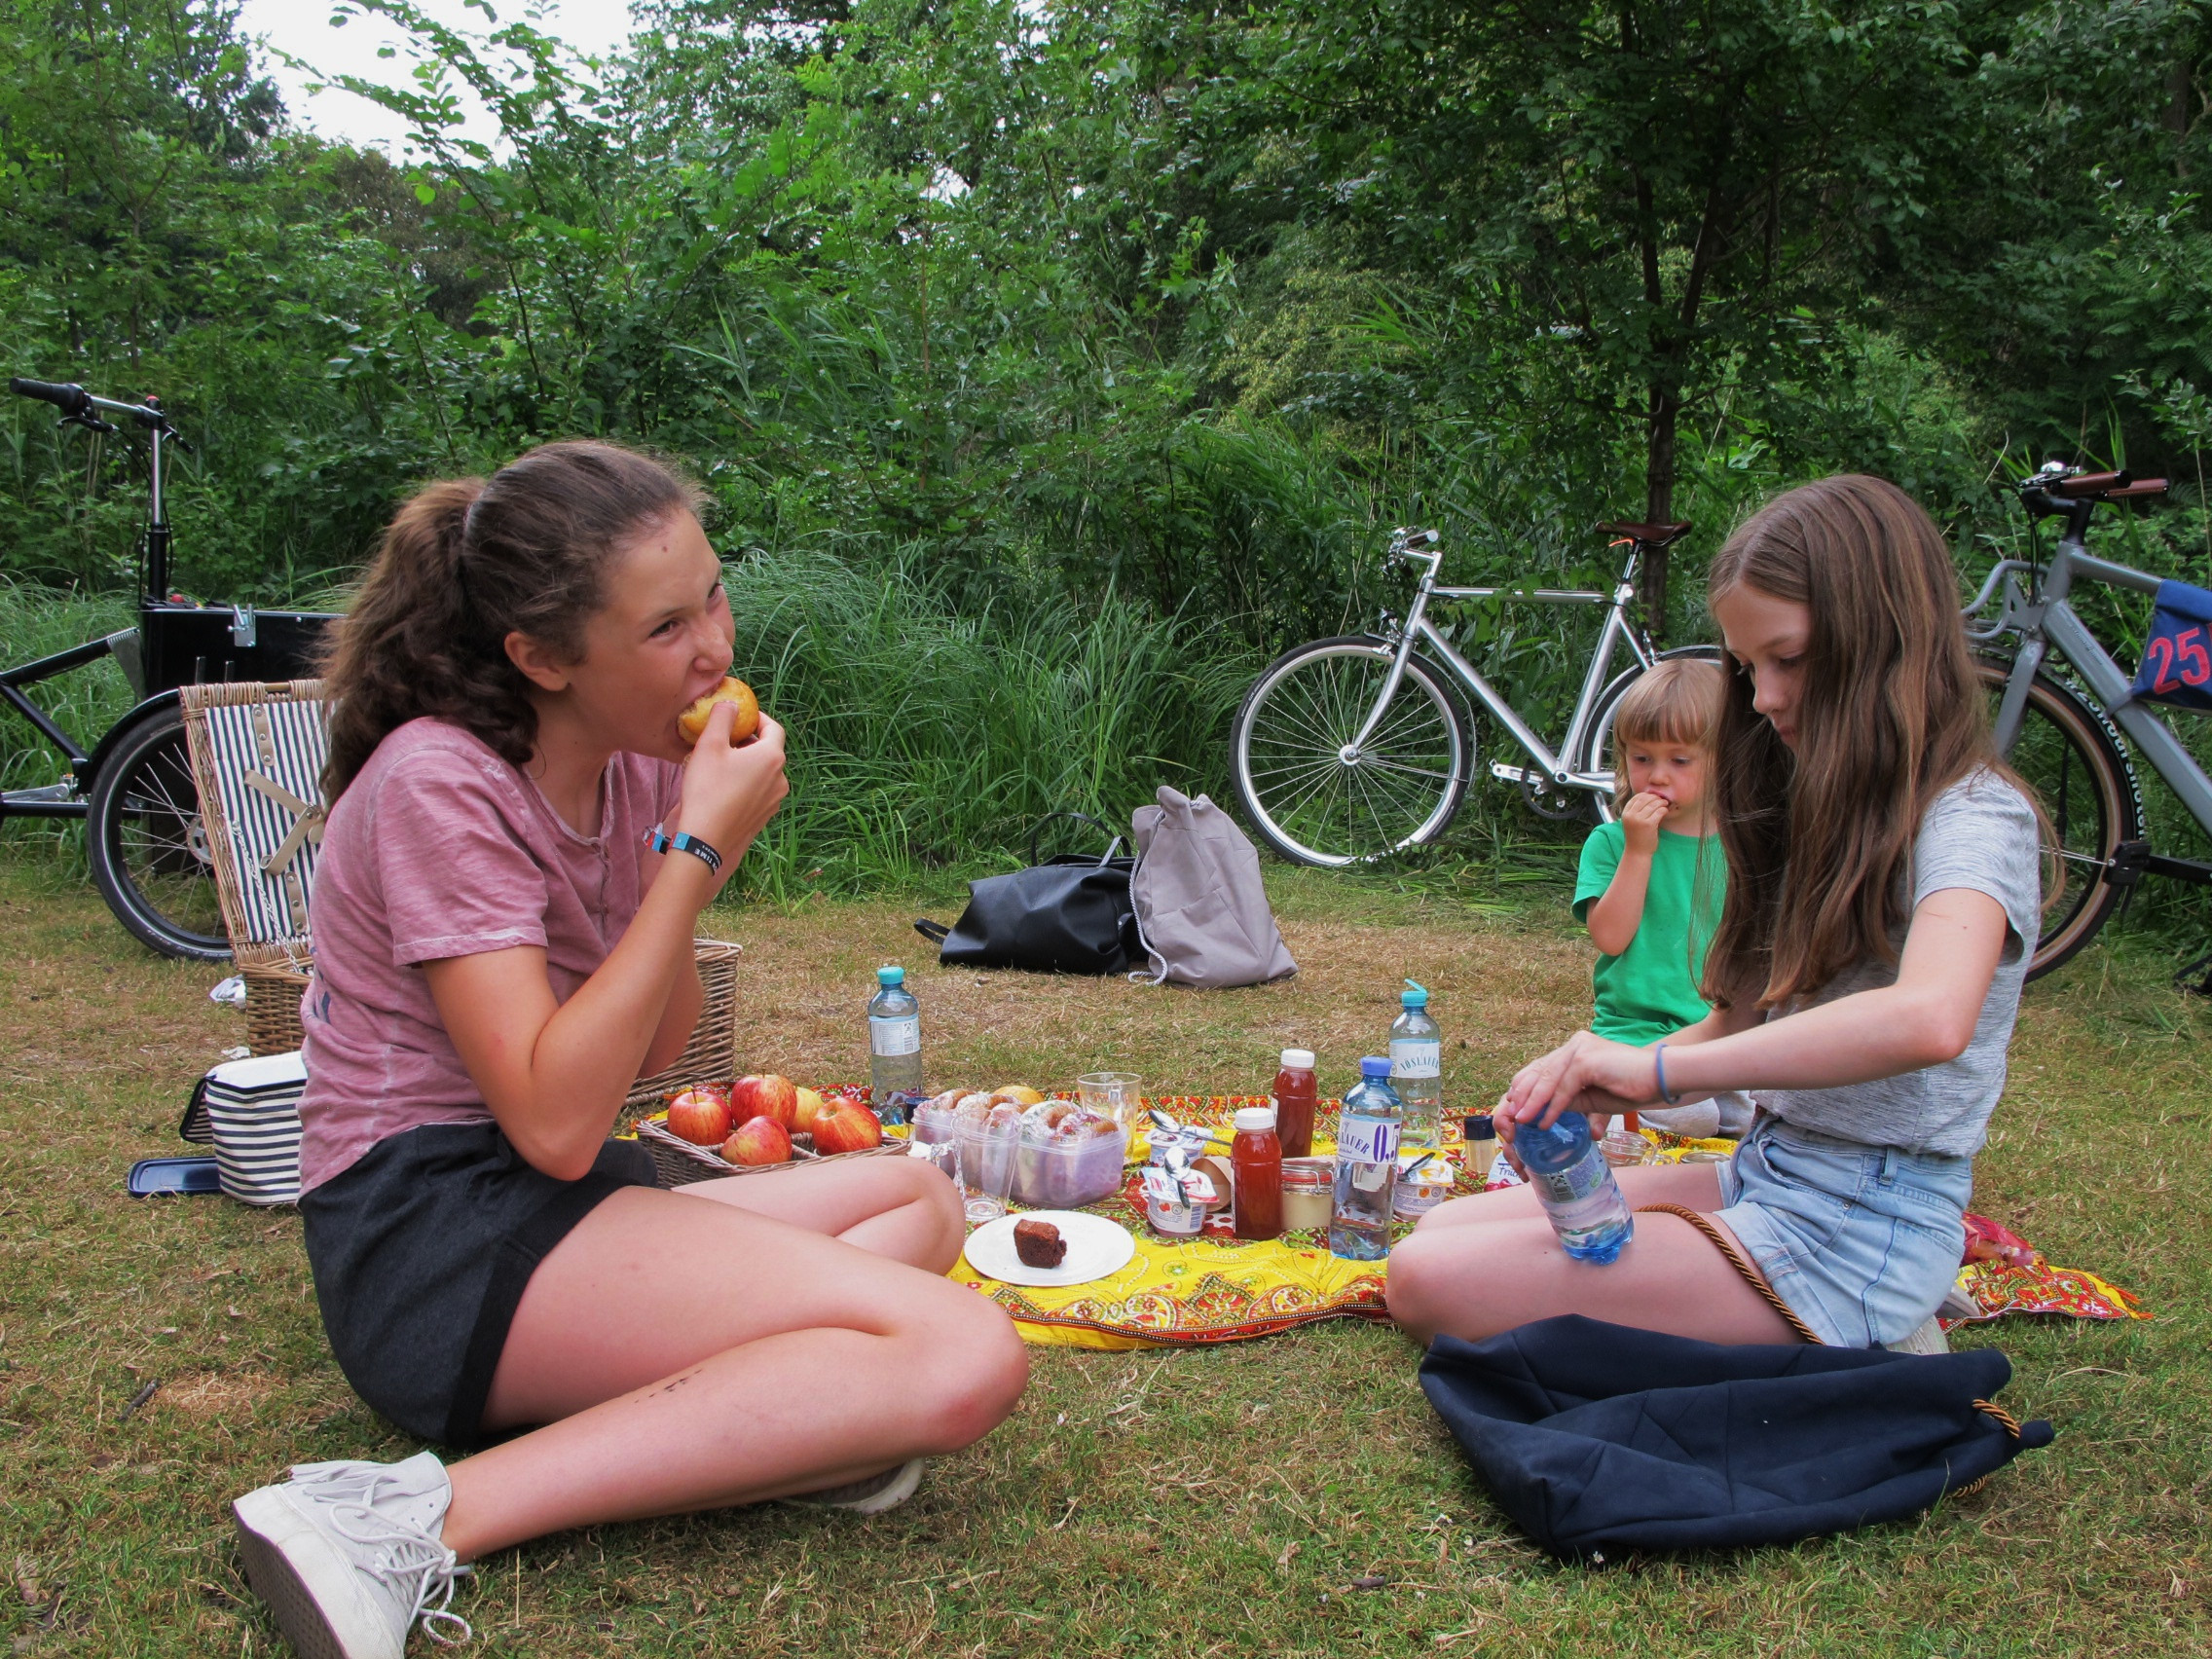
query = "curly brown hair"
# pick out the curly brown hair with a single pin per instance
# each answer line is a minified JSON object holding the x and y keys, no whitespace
{"x":465,"y":564}
{"x":1889,"y":716}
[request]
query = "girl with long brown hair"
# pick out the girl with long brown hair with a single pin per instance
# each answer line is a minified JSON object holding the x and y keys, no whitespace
{"x":1882,"y":910}
{"x":499,"y":956}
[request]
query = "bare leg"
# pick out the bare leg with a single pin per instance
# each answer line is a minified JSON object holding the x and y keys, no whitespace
{"x":899,"y":1208}
{"x":1496,"y":1263}
{"x":689,"y":1355}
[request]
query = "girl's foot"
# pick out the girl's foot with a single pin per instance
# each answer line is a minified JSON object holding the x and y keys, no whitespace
{"x":349,"y":1556}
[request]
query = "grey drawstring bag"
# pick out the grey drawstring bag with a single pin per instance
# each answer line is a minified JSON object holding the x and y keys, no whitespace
{"x":1201,"y":912}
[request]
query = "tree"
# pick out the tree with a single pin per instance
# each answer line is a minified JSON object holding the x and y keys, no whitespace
{"x":1660,"y":196}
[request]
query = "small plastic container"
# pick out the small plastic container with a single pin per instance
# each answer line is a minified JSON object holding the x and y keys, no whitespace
{"x":1419,"y":1190}
{"x":1308,"y":1191}
{"x":1171,"y":1216}
{"x":1070,"y":1157}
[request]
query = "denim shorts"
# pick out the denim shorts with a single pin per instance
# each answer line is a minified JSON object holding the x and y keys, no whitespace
{"x":1861,"y":1242}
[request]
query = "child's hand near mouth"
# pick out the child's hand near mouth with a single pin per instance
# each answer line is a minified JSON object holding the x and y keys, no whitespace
{"x":1641,"y":820}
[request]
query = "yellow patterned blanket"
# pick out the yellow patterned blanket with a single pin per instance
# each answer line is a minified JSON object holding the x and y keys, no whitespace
{"x":1226,"y":1290}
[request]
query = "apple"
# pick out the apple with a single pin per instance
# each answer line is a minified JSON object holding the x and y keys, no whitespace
{"x":759,"y":1140}
{"x":759,"y":1095}
{"x":700,"y":1116}
{"x":692,"y":722}
{"x":802,"y":1114}
{"x":842,"y":1127}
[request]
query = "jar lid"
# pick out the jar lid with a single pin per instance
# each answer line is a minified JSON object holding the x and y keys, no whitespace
{"x":1252,"y":1118}
{"x":1374,"y":1066}
{"x":1297,"y":1059}
{"x":1479,"y":1128}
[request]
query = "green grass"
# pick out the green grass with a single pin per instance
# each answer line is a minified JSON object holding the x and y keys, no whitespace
{"x":1187,"y":1504}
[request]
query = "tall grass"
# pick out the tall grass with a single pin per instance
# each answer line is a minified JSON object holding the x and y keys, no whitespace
{"x":925,"y":738}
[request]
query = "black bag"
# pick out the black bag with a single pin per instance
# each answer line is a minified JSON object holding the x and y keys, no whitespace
{"x":1070,"y":915}
{"x":1597,"y":1437}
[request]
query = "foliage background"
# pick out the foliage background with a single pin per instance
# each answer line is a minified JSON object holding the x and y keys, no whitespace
{"x":1051,"y":365}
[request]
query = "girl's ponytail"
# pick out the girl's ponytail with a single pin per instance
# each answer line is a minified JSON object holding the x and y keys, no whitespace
{"x":466,"y":562}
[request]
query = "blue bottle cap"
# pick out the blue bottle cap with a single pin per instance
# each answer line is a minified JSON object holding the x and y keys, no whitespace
{"x":888,"y":977}
{"x":1418,"y":997}
{"x":1374,"y":1066}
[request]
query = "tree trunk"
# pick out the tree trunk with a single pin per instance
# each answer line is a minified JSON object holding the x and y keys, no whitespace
{"x":1665,"y":409}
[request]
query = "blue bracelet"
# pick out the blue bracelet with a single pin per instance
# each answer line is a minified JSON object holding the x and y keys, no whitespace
{"x":1659,"y":1073}
{"x":662,"y":841}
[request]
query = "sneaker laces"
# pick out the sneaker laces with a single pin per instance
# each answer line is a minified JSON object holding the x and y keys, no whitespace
{"x":347,"y":1493}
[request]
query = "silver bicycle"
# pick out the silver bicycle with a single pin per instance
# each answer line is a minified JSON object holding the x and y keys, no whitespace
{"x":1351,"y":749}
{"x":2064,"y":735}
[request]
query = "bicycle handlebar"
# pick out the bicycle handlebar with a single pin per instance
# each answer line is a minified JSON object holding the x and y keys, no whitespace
{"x":71,"y":400}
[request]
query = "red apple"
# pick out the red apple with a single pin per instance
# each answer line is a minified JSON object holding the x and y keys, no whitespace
{"x":760,"y":1140}
{"x":700,"y":1116}
{"x":754,"y":1095}
{"x":802,"y":1114}
{"x":843,"y":1127}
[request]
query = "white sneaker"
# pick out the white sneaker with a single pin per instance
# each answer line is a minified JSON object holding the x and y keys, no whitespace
{"x":1925,"y":1338}
{"x":349,"y":1557}
{"x":869,"y":1497}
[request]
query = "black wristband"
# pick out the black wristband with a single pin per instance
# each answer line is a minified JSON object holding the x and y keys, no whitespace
{"x":662,"y":841}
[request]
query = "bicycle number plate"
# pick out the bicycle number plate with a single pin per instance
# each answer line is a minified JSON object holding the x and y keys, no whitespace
{"x":2177,"y":658}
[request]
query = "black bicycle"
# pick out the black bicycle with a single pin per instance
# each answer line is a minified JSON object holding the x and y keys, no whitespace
{"x":143,"y":834}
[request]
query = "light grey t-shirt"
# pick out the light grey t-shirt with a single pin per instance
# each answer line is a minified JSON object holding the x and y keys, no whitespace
{"x":1980,"y":835}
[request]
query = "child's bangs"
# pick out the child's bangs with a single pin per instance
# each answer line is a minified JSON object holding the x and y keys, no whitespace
{"x":1677,"y":702}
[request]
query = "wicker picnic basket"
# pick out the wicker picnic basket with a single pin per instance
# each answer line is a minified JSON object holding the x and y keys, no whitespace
{"x":679,"y":1162}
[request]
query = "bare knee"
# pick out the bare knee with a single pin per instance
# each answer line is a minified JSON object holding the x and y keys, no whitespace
{"x":1412,"y":1285}
{"x":969,"y":1375}
{"x":935,"y":1192}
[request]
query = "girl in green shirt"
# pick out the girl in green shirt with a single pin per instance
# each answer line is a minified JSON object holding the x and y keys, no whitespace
{"x":1650,"y":884}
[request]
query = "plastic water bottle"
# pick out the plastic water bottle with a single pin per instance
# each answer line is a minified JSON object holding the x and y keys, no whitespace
{"x":1367,"y":1165}
{"x":895,"y":1046}
{"x":1416,"y":1069}
{"x":1576,"y":1187}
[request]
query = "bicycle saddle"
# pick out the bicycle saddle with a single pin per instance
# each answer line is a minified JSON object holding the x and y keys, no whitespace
{"x":1649,"y":534}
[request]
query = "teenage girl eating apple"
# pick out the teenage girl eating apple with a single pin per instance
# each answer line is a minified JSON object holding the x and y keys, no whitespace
{"x":499,"y":955}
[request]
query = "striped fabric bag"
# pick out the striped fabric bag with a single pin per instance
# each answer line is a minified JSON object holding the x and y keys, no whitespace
{"x":251,"y":1110}
{"x":257,"y":759}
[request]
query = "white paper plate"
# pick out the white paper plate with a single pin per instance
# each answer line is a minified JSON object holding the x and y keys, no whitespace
{"x":1096,"y":1247}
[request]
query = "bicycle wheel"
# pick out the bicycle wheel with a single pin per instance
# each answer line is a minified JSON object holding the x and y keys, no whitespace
{"x":1313,"y":798}
{"x":147,"y":847}
{"x":2069,"y":753}
{"x":1596,"y":753}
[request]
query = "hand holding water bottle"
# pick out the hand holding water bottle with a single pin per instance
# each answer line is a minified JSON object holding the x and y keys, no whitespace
{"x":1588,"y":1073}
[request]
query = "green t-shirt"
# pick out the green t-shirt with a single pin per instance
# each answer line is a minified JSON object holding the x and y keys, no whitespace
{"x":1649,"y":990}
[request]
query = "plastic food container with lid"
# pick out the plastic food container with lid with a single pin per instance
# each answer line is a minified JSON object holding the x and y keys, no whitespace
{"x":1424,"y":1182}
{"x":1069,"y":1155}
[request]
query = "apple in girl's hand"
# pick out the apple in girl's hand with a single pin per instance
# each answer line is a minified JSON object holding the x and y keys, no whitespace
{"x":692,"y":722}
{"x":802,"y":1114}
{"x":700,"y":1116}
{"x":756,"y":1095}
{"x":760,"y":1140}
{"x":840,"y":1126}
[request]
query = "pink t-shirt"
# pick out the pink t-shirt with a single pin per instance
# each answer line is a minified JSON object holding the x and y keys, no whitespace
{"x":440,"y":848}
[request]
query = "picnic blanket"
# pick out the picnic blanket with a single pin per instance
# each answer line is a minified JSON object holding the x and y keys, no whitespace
{"x":1225,"y":1290}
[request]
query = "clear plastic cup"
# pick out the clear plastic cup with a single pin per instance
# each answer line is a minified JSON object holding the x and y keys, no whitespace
{"x":986,"y":1162}
{"x":935,"y":1139}
{"x":1115,"y":1093}
{"x":1625,"y":1147}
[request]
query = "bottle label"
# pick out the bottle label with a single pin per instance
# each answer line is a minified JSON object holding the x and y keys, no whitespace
{"x":1416,"y":1056}
{"x":1366,"y":1140}
{"x":1577,"y":1181}
{"x":892,"y":1038}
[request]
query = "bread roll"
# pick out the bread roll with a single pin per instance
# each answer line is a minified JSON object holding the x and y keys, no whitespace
{"x":693,"y":720}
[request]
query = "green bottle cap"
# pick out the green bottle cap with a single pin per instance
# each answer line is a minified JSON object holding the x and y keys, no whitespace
{"x":889,"y":976}
{"x":1418,"y":997}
